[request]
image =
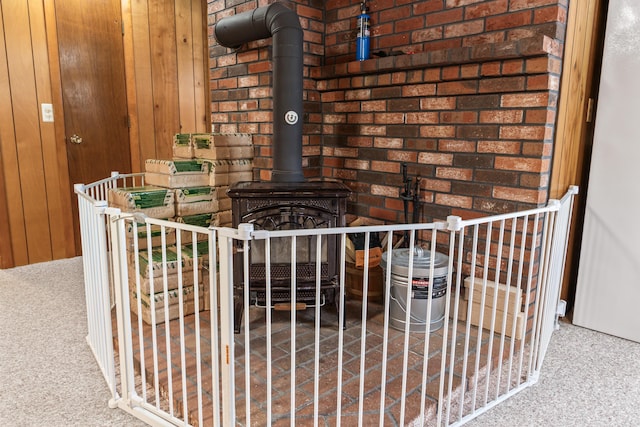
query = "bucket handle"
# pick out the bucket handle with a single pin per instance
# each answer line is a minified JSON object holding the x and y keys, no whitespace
{"x":411,"y":316}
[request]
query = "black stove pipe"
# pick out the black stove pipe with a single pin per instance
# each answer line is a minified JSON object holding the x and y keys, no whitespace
{"x":283,"y":25}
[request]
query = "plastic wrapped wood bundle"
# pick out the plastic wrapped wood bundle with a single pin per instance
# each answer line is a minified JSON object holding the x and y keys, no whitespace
{"x":153,"y":201}
{"x":177,"y":173}
{"x":182,"y":147}
{"x":196,"y":200}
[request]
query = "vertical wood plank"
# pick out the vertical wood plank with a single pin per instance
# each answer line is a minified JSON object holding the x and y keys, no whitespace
{"x":573,"y":132}
{"x":145,"y":110}
{"x":185,"y":66}
{"x":13,"y":242}
{"x":59,"y":214}
{"x":130,"y":79}
{"x":164,"y":76}
{"x":27,"y":131}
{"x":201,"y":65}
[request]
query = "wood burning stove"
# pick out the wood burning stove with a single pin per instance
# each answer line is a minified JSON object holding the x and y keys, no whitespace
{"x":289,"y":206}
{"x":287,"y":202}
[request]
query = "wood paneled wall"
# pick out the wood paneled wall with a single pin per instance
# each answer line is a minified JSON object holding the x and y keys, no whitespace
{"x":36,"y":219}
{"x":167,"y":70}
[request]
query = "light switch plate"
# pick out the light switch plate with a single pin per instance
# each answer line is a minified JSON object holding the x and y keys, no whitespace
{"x":47,"y":112}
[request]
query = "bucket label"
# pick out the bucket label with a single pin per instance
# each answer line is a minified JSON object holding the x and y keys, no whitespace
{"x":420,"y":288}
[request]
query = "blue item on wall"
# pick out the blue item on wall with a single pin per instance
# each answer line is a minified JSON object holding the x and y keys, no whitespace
{"x":362,"y":40}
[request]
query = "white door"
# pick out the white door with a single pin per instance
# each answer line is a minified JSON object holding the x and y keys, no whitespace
{"x":608,"y":288}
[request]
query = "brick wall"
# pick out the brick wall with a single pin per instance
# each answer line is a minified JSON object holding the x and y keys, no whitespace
{"x":471,"y":110}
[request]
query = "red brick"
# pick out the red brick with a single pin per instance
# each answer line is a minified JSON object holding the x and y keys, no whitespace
{"x":464,"y":28}
{"x":534,"y":180}
{"x":356,"y":164}
{"x":453,"y":200}
{"x":436,"y":185}
{"x":459,"y":174}
{"x":423,"y":7}
{"x":346,"y":152}
{"x":515,"y":66}
{"x":383,"y":142}
{"x":529,"y":4}
{"x":391,"y":167}
{"x":259,"y":67}
{"x":540,"y":116}
{"x":335,"y":118}
{"x":529,"y":100}
{"x":521,"y":164}
{"x":454,"y":145}
{"x":438,"y":103}
{"x":389,"y":118}
{"x":486,"y":9}
{"x":358,"y":94}
{"x":421,"y":118}
{"x":346,"y":107}
{"x":491,"y":68}
{"x":380,"y":105}
{"x":469,"y":70}
{"x":445,"y":17}
{"x":457,"y":3}
{"x":419,"y":90}
{"x":435,"y":159}
{"x":499,"y":147}
{"x":426,"y":34}
{"x":519,"y":195}
{"x":550,"y":14}
{"x":502,"y":84}
{"x":522,"y":132}
{"x":437,"y":131}
{"x":459,"y":117}
{"x":383,"y":190}
{"x":451,"y":73}
{"x":402,"y":156}
{"x":542,"y":149}
{"x":373,"y":130}
{"x":410,"y":24}
{"x":511,"y":20}
{"x":501,"y":116}
{"x":457,"y":88}
{"x":385,"y":214}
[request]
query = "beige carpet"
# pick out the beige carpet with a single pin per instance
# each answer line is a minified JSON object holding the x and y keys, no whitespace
{"x":48,"y":376}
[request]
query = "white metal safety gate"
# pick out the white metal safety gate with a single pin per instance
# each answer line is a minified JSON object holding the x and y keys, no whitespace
{"x":164,"y":335}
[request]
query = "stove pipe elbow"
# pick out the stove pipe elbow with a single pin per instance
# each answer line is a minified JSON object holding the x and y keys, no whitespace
{"x":281,"y":23}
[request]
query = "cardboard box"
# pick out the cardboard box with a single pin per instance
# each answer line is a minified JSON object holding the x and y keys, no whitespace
{"x":153,"y":201}
{"x":515,"y":294}
{"x":486,"y":321}
{"x":177,"y":173}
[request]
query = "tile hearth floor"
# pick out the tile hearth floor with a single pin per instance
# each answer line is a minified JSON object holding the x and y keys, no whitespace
{"x":358,"y":379}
